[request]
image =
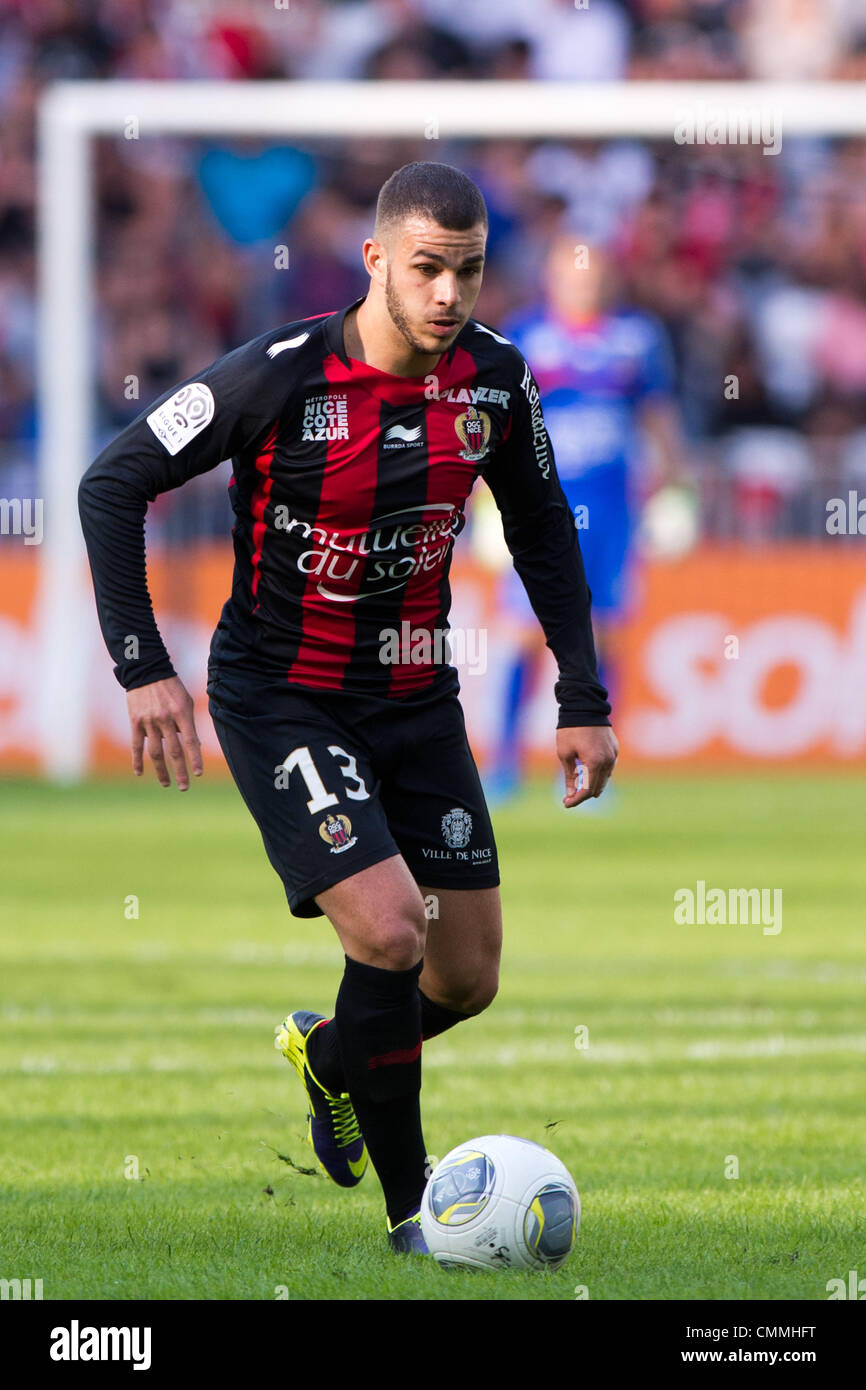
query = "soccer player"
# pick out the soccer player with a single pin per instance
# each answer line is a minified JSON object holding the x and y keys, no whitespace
{"x":356,"y":437}
{"x":605,"y":374}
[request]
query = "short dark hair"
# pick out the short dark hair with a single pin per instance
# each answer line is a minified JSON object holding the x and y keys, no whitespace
{"x":439,"y":191}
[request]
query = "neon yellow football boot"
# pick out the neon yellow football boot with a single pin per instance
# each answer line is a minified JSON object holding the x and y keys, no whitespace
{"x":333,"y":1129}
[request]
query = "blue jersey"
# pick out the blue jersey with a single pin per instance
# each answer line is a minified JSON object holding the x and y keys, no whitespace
{"x":594,"y":378}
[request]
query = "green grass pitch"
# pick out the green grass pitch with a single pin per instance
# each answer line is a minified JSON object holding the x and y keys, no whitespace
{"x":148,"y":1121}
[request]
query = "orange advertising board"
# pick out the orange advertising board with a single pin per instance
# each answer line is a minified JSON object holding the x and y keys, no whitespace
{"x":746,"y":655}
{"x":735,"y":656}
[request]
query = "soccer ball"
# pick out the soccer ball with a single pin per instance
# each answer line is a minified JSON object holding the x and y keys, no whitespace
{"x":499,"y":1202}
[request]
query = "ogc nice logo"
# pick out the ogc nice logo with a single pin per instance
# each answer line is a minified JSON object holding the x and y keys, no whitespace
{"x":336,"y":831}
{"x":473,"y":430}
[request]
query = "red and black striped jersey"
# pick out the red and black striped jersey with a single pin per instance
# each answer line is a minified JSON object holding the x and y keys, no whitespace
{"x":348,"y":489}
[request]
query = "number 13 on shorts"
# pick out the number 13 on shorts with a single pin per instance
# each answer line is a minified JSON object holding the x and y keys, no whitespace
{"x":320,"y":798}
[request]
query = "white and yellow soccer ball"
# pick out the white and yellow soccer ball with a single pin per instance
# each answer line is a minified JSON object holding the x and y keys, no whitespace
{"x":500,"y":1202}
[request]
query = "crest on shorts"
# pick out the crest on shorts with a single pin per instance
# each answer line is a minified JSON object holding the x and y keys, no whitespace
{"x":456,"y":828}
{"x":337,"y":832}
{"x":473,"y":430}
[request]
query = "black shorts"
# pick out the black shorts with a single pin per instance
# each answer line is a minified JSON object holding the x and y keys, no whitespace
{"x":337,"y":782}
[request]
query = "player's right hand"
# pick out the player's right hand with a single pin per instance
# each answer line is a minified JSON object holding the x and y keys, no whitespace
{"x":162,"y":713}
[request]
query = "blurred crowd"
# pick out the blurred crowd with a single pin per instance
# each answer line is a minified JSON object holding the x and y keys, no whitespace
{"x":756,"y":265}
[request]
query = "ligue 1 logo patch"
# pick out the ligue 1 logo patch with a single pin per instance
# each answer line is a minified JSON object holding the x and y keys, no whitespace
{"x":336,"y":831}
{"x":181,"y":418}
{"x":473,"y":430}
{"x":456,"y":828}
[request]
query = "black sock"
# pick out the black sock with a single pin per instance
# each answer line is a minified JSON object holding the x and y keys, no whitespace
{"x":323,"y":1049}
{"x":436,"y":1019}
{"x":323,"y":1055}
{"x":378,"y":1024}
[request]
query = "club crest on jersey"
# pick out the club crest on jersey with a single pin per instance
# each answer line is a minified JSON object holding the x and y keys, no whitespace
{"x":337,"y":831}
{"x":456,"y":828}
{"x":473,"y":430}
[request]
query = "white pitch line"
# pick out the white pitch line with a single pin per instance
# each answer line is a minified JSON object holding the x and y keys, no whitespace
{"x":709,"y":1050}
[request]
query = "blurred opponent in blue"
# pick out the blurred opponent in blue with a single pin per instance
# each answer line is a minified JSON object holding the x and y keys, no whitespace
{"x":606,"y":378}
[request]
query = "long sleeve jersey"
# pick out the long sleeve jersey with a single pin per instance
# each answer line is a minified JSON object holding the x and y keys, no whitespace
{"x":348,"y":490}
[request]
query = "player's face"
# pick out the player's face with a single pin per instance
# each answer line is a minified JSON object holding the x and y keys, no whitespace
{"x":575,"y":278}
{"x":432,"y":280}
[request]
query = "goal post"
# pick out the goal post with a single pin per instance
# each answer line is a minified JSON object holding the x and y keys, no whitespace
{"x":72,"y":114}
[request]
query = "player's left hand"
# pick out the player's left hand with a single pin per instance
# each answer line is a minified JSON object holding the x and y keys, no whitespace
{"x":596,"y":749}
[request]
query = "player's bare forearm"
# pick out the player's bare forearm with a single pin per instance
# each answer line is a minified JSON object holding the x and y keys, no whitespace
{"x":596,"y":749}
{"x":662,"y":423}
{"x":162,"y":715}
